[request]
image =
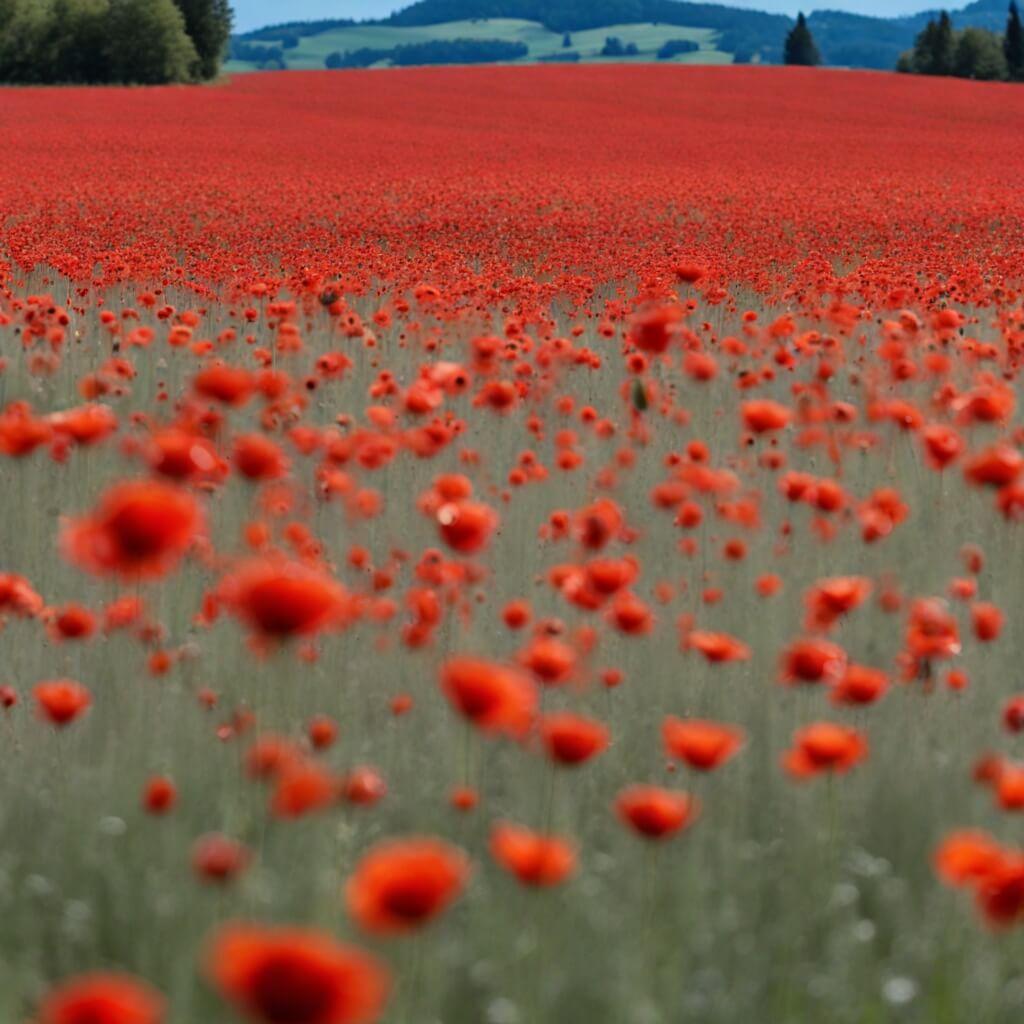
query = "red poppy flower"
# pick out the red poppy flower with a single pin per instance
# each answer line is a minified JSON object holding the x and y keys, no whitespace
{"x":812,"y":661}
{"x":402,"y":884}
{"x":987,"y":620}
{"x":533,"y":858}
{"x":718,"y":647}
{"x":829,"y":600}
{"x":296,"y":976}
{"x":62,"y":700}
{"x":269,"y":755}
{"x":571,"y":739}
{"x":181,"y":455}
{"x":860,"y":684}
{"x":703,"y":745}
{"x":967,"y":856}
{"x":763,"y":416}
{"x":216,"y":858}
{"x":942,"y":444}
{"x":322,"y":731}
{"x":494,"y":697}
{"x":102,"y":999}
{"x":160,"y":795}
{"x":363,"y":786}
{"x":1000,"y":892}
{"x":257,"y":458}
{"x":653,"y":329}
{"x":655,"y":813}
{"x":932,"y":631}
{"x":85,"y":425}
{"x":597,"y":524}
{"x":466,"y":526}
{"x":824,"y":747}
{"x":20,"y":432}
{"x":140,"y":529}
{"x":232,"y":385}
{"x":301,"y":788}
{"x":1013,"y":714}
{"x":464,"y":798}
{"x":551,"y":660}
{"x":279,"y":599}
{"x":17,"y":597}
{"x":73,"y":622}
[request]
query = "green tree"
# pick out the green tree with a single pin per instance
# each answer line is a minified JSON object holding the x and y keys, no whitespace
{"x":25,"y":41}
{"x":943,"y":47}
{"x":208,"y":24}
{"x":1013,"y":44}
{"x":979,"y":54}
{"x":924,"y":49}
{"x":935,"y":48}
{"x":800,"y":47}
{"x":79,"y":40}
{"x":147,"y":43}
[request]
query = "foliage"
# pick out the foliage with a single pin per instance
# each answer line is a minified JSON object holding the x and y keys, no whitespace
{"x":440,"y":51}
{"x":843,"y":38}
{"x":98,"y":41}
{"x":935,"y":48}
{"x":614,"y":47}
{"x":800,"y":47}
{"x":760,"y":32}
{"x":259,"y":54}
{"x":272,"y":33}
{"x":979,"y":54}
{"x":148,"y":43}
{"x":208,"y":24}
{"x":674,"y":47}
{"x":1013,"y":44}
{"x":969,"y":53}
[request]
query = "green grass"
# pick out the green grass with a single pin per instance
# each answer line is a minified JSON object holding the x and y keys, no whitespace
{"x":312,"y":50}
{"x":786,"y":903}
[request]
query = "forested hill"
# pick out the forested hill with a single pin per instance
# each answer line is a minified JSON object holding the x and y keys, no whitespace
{"x":573,"y":15}
{"x":844,"y":39}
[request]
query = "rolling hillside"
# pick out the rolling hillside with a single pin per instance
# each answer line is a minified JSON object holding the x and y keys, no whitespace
{"x":723,"y":34}
{"x":542,"y":43}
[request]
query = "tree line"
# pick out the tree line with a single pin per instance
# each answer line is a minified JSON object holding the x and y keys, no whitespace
{"x":437,"y":51}
{"x":800,"y":47}
{"x":939,"y":49}
{"x":969,"y":53}
{"x":90,"y":42}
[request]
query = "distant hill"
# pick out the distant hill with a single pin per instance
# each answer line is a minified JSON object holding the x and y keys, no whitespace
{"x":724,"y":33}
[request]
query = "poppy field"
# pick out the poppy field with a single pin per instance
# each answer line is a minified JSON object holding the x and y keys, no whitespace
{"x":512,"y":545}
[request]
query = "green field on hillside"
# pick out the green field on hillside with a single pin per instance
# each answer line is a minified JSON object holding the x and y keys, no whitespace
{"x":313,"y":50}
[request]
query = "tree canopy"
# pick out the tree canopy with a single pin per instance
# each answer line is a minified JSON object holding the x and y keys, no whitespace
{"x":436,"y":51}
{"x":1013,"y":44}
{"x":972,"y":52}
{"x":800,"y":47}
{"x":145,"y":42}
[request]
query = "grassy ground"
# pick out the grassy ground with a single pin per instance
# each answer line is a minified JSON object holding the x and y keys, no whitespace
{"x":786,"y":903}
{"x":312,"y":50}
{"x":540,"y":206}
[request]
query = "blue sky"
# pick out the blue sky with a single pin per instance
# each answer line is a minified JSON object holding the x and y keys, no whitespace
{"x":251,"y":14}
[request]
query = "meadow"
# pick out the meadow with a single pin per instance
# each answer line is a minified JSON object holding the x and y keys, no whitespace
{"x":541,"y":42}
{"x":512,"y":545}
